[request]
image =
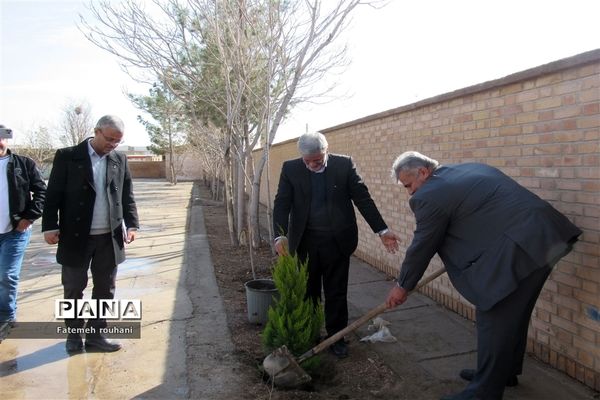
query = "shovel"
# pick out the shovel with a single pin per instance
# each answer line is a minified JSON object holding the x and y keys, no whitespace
{"x":286,"y":372}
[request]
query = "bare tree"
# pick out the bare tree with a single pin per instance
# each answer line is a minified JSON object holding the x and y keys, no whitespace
{"x":177,"y":163}
{"x":38,"y":145}
{"x":239,"y":64}
{"x":183,"y":48}
{"x":300,"y":52}
{"x":204,"y":143}
{"x":76,"y":123}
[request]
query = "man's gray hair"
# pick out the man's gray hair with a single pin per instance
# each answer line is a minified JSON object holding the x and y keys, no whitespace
{"x":312,"y":143}
{"x":410,"y":161}
{"x":111,"y":121}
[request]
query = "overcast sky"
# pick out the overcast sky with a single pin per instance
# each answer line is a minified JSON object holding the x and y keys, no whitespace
{"x":408,"y":51}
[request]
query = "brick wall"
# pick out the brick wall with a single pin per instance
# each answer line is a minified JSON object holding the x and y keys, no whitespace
{"x":147,"y":169}
{"x":540,"y":126}
{"x":187,"y":166}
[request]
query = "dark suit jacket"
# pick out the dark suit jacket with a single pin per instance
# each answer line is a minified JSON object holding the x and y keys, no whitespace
{"x":475,"y":217}
{"x":26,"y":189}
{"x":70,"y":202}
{"x":344,"y":186}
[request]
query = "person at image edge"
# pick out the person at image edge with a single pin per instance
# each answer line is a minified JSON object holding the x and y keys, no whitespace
{"x":22,"y":192}
{"x":498,"y":242}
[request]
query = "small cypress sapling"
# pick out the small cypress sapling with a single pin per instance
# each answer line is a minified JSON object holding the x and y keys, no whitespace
{"x":295,"y":321}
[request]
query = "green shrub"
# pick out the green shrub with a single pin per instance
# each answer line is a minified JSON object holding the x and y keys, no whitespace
{"x":294,"y":321}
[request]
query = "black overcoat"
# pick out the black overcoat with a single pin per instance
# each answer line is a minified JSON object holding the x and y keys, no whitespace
{"x":70,"y":202}
{"x":344,"y":187}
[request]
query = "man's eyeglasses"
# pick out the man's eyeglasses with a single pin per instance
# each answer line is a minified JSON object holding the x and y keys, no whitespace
{"x":110,"y":140}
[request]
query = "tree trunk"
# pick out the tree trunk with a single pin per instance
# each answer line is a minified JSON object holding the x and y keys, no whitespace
{"x":254,"y":214}
{"x":241,"y":201}
{"x":233,"y":237}
{"x":255,"y":197}
{"x":213,"y":187}
{"x":173,"y":179}
{"x":173,"y":173}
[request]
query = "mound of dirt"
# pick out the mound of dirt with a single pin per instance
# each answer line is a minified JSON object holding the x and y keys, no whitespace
{"x":360,"y":376}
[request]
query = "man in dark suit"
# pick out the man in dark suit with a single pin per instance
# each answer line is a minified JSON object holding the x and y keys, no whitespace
{"x":498,"y":242}
{"x":90,"y":212}
{"x":313,"y":211}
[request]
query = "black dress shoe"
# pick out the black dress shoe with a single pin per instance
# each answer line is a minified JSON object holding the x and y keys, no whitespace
{"x":74,"y":343}
{"x":100,"y":343}
{"x":469,"y":374}
{"x":339,"y":349}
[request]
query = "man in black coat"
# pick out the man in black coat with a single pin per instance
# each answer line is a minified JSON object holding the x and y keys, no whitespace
{"x":91,"y":213}
{"x":314,"y":212}
{"x":498,"y":242}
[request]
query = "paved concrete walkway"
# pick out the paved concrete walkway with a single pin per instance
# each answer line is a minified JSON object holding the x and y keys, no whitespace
{"x":170,"y":244}
{"x":434,"y":344}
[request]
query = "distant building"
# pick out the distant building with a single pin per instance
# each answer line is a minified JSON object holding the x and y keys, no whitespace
{"x":143,"y":163}
{"x":138,"y":153}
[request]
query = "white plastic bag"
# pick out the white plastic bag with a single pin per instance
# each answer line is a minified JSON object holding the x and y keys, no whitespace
{"x":382,"y":334}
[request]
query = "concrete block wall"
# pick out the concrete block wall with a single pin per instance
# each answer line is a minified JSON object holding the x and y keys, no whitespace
{"x":540,"y":126}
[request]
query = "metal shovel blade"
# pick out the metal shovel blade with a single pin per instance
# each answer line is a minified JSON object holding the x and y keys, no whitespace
{"x":284,"y":370}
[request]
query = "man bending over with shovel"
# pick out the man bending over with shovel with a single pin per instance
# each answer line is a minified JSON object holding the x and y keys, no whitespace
{"x":315,"y":196}
{"x":498,"y":242}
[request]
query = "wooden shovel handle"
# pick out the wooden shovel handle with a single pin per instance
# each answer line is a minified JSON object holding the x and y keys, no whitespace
{"x":361,"y":321}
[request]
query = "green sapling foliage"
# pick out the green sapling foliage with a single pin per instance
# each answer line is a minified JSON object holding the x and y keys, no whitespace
{"x":294,"y":320}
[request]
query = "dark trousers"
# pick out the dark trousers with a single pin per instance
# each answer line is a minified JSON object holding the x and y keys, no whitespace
{"x":502,"y":337}
{"x":327,"y":269}
{"x":99,"y":257}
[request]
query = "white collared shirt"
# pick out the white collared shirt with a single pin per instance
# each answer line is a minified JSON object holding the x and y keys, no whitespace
{"x":5,"y":222}
{"x":101,"y":216}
